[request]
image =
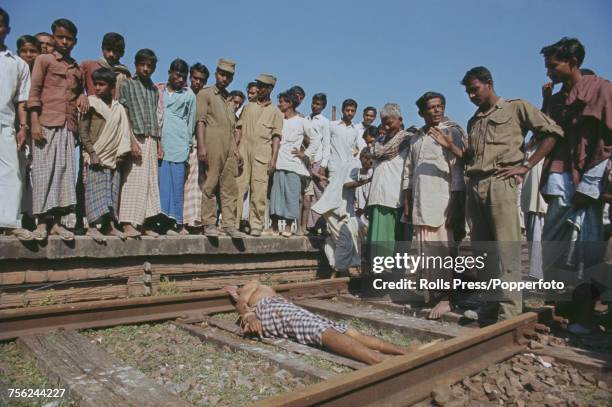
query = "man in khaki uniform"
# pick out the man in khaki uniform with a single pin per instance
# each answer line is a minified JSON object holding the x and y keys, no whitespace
{"x":217,"y":150}
{"x":495,"y":166}
{"x":260,"y":127}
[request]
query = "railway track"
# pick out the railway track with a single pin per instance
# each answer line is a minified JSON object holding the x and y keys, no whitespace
{"x":95,"y":378}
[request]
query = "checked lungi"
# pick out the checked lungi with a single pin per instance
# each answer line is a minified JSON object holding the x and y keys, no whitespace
{"x":283,"y":319}
{"x":139,"y":189}
{"x":53,"y":177}
{"x":192,"y":206}
{"x":102,"y":187}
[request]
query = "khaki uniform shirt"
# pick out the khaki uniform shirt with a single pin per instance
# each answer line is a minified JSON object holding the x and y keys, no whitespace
{"x":213,"y":109}
{"x":496,"y":136}
{"x":259,"y":124}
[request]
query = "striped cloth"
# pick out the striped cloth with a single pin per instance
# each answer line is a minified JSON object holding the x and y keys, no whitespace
{"x":192,"y":204}
{"x":171,"y":189}
{"x":53,"y":177}
{"x":102,"y":187}
{"x":283,"y":319}
{"x":139,"y":188}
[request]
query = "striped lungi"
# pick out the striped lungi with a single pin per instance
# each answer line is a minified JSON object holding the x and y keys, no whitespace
{"x":53,"y":178}
{"x":139,"y":187}
{"x":102,"y":187}
{"x":283,"y":319}
{"x":192,"y":205}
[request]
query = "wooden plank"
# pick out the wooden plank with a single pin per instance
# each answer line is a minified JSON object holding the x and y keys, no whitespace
{"x":404,"y":309}
{"x":284,"y":361}
{"x":290,"y":345}
{"x":95,"y":377}
{"x":404,"y":380}
{"x":419,"y":328}
{"x":580,"y":358}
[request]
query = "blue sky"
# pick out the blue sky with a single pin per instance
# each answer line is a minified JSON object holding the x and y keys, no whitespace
{"x":375,"y":52}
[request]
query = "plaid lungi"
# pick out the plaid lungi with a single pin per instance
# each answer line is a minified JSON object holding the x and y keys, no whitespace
{"x":283,"y":319}
{"x":102,"y":187}
{"x":53,"y":178}
{"x":192,"y":205}
{"x":139,"y":187}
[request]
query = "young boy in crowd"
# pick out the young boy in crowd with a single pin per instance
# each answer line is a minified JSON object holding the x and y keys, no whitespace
{"x":47,"y":43}
{"x":337,"y":206}
{"x":28,"y":49}
{"x":291,"y":175}
{"x":178,"y":105}
{"x":105,"y":134}
{"x":140,"y":190}
{"x":57,"y":82}
{"x":321,"y":157}
{"x":113,"y":48}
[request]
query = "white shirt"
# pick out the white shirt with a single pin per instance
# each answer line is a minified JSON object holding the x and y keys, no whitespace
{"x":14,"y":85}
{"x":386,"y":185}
{"x":432,"y":173}
{"x":345,"y":143}
{"x":321,"y":124}
{"x":294,"y":130}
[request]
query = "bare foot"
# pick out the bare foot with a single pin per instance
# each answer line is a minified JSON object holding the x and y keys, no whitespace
{"x":150,"y":233}
{"x":440,"y":309}
{"x":117,"y":233}
{"x":40,"y":233}
{"x":183,"y":231}
{"x":130,"y":231}
{"x":95,"y":234}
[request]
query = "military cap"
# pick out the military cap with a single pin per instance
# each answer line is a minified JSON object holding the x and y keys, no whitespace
{"x":226,"y":65}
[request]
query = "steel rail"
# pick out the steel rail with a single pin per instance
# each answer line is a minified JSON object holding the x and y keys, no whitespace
{"x":98,"y":314}
{"x":408,"y":379}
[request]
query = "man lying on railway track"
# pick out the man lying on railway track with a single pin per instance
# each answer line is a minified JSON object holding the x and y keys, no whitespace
{"x":265,"y":313}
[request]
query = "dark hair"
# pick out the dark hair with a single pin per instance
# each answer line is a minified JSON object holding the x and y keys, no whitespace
{"x":250,"y":85}
{"x":422,"y":101}
{"x":113,"y":41}
{"x":290,"y":97}
{"x":178,"y":65}
{"x":587,"y":71}
{"x":5,"y":17}
{"x":565,"y":49}
{"x":66,"y":24}
{"x":237,"y":93}
{"x":27,"y":39}
{"x":144,"y":54}
{"x":349,"y":102}
{"x":370,"y":131}
{"x":365,"y":153}
{"x":104,"y":75}
{"x":200,"y":68}
{"x":372,"y":108}
{"x":320,"y":96}
{"x":46,"y":34}
{"x":480,"y":72}
{"x":298,"y":89}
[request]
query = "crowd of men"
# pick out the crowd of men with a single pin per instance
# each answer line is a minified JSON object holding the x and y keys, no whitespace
{"x":129,"y":157}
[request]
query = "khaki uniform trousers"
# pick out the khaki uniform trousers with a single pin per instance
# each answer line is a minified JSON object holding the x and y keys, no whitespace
{"x":255,"y":177}
{"x":493,"y":210}
{"x":221,"y":172}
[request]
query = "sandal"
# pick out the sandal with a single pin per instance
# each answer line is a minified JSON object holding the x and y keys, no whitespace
{"x":132,"y":235}
{"x":286,"y":234}
{"x":40,"y":235}
{"x":65,"y":235}
{"x":23,"y":235}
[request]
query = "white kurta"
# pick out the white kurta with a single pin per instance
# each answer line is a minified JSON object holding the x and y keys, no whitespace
{"x":345,"y":143}
{"x":337,"y":205}
{"x":14,"y":88}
